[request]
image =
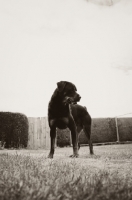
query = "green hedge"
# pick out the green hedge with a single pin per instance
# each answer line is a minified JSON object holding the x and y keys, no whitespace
{"x":63,"y":137}
{"x":103,"y":130}
{"x":13,"y":129}
{"x":125,"y":129}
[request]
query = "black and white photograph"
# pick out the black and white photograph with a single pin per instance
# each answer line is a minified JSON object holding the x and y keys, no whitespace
{"x":65,"y":99}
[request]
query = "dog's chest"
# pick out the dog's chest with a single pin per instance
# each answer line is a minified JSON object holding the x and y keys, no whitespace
{"x":60,"y":123}
{"x":58,"y":111}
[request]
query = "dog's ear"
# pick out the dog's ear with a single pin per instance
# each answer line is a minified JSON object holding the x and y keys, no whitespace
{"x":75,"y":88}
{"x":61,"y":85}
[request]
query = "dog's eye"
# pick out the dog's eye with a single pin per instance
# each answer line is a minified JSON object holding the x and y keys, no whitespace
{"x":70,"y":91}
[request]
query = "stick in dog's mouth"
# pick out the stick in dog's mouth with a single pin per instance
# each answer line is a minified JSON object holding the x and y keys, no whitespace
{"x":69,"y":100}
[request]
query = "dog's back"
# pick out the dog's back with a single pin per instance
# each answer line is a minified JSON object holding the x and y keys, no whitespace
{"x":80,"y":115}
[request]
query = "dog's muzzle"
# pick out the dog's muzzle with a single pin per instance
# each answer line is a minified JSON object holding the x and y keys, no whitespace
{"x":70,"y":100}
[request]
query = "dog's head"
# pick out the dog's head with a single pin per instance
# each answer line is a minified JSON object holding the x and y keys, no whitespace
{"x":68,"y":92}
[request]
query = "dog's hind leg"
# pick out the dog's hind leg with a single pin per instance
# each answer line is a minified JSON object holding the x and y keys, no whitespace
{"x":52,"y":137}
{"x":87,"y":130}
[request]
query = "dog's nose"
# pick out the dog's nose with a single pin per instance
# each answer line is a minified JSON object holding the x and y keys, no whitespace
{"x":79,"y":97}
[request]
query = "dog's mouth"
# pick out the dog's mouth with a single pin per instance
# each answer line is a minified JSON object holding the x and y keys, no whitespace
{"x":69,"y":100}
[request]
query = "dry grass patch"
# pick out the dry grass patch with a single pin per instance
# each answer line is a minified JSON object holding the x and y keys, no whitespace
{"x":30,"y":175}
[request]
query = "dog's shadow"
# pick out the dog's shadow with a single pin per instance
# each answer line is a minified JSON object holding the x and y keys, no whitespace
{"x":89,"y":156}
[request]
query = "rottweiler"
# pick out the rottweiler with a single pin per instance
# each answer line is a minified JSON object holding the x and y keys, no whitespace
{"x":63,"y":112}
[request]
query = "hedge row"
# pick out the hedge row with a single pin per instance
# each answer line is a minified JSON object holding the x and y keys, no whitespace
{"x":103,"y":130}
{"x":125,"y":129}
{"x":13,"y":129}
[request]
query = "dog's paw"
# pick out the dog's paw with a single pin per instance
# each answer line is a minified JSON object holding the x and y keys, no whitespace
{"x":74,"y":156}
{"x":92,"y":153}
{"x":50,"y":156}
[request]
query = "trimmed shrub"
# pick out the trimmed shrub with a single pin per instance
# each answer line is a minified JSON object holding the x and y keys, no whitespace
{"x":125,"y":129}
{"x":102,"y":130}
{"x":63,"y":137}
{"x":13,"y":129}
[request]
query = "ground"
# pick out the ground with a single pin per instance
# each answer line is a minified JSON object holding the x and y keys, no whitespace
{"x":28,"y":174}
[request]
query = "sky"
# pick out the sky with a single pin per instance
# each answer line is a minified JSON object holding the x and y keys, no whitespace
{"x":86,"y":42}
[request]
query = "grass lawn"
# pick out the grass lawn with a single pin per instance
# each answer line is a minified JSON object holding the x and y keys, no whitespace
{"x":28,"y":174}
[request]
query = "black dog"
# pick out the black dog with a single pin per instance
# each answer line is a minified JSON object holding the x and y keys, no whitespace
{"x":63,"y":112}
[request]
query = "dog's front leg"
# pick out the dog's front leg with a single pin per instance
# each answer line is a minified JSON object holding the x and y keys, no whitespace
{"x":52,"y":138}
{"x":72,"y":127}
